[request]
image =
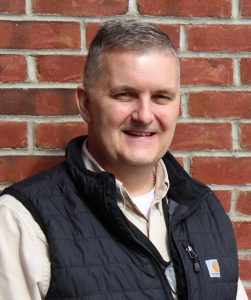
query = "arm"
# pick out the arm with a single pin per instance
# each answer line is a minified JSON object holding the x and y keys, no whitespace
{"x":24,"y":263}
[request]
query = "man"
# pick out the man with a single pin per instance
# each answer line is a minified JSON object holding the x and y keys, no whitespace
{"x":119,"y":219}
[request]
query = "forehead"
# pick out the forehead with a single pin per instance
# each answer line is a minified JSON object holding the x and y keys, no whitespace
{"x":123,"y":66}
{"x":126,"y":56}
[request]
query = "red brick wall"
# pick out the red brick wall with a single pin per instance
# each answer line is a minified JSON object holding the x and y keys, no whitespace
{"x":43,"y":44}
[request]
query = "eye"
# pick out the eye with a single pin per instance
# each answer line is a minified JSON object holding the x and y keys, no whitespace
{"x":123,"y":96}
{"x":162,"y":98}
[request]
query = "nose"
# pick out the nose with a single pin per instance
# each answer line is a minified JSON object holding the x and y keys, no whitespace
{"x":143,"y":112}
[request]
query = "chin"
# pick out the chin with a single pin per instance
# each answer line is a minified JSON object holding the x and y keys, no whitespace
{"x":140,"y":161}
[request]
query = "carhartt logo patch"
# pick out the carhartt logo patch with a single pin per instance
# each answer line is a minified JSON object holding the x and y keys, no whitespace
{"x":213,"y":268}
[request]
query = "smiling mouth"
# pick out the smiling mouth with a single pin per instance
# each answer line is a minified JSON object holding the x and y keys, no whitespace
{"x":139,"y":133}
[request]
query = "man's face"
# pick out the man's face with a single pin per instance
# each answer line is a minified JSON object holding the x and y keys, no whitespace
{"x":132,"y":109}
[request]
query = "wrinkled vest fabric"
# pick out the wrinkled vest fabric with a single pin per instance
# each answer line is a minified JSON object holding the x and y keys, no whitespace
{"x":97,"y":254}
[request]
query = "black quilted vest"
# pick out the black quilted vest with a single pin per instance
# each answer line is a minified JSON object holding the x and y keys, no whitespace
{"x":97,"y":254}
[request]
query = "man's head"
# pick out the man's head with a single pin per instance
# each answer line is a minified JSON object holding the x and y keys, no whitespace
{"x":130,"y":97}
{"x":128,"y":35}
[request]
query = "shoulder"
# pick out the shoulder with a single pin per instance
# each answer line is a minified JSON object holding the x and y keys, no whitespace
{"x":14,"y":214}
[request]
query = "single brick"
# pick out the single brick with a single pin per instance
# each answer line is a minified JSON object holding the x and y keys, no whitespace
{"x":46,"y":102}
{"x":54,"y":102}
{"x":220,"y":104}
{"x":219,"y":38}
{"x":60,"y":68}
{"x":245,"y":66}
{"x":12,"y":6}
{"x":244,"y":203}
{"x":202,"y":136}
{"x":17,"y":102}
{"x":245,"y":267}
{"x":13,"y":134}
{"x":245,"y":136}
{"x":80,"y":7}
{"x":222,"y":170}
{"x":184,"y":8}
{"x":15,"y":168}
{"x":13,"y":68}
{"x":58,"y":135}
{"x":246,"y":8}
{"x":39,"y":35}
{"x":206,"y":71}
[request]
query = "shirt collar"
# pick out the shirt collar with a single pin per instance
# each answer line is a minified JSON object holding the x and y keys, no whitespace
{"x":89,"y":161}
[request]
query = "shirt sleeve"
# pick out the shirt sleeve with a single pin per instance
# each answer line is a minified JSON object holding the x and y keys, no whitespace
{"x":241,"y":293}
{"x":24,"y":262}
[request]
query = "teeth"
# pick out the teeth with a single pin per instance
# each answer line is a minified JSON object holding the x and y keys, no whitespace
{"x":140,"y":133}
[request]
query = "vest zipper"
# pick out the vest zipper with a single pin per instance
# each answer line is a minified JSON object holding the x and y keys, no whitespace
{"x":197,"y":268}
{"x":194,"y":257}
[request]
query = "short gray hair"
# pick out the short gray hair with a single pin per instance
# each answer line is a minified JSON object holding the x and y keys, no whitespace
{"x":124,"y":34}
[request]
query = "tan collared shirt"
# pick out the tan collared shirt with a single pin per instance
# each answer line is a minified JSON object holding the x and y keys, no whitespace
{"x":24,"y":260}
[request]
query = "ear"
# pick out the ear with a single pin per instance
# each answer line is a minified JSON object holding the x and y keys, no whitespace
{"x":82,"y":100}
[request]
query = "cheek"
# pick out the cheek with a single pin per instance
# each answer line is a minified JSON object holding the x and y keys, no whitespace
{"x":115,"y":115}
{"x":106,"y":120}
{"x":168,"y":120}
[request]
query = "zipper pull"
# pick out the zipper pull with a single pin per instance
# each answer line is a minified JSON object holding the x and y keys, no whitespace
{"x":194,"y":257}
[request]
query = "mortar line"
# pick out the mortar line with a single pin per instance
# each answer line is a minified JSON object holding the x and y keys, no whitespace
{"x":183,"y":39}
{"x":31,"y":66}
{"x":132,"y":8}
{"x":236,"y":71}
{"x":235,"y":9}
{"x":150,"y":19}
{"x":236,"y":136}
{"x":28,"y":7}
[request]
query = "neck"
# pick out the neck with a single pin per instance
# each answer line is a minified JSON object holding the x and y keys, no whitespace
{"x":137,"y":181}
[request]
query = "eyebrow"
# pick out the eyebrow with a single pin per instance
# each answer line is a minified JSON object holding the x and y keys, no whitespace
{"x":122,"y":88}
{"x":165,"y":91}
{"x":131,"y":89}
